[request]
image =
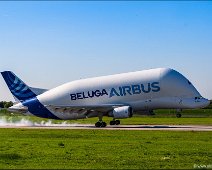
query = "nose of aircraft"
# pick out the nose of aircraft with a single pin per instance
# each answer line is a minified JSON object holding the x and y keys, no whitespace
{"x":195,"y":103}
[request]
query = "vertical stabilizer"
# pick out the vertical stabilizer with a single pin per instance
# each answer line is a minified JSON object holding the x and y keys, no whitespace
{"x":17,"y":87}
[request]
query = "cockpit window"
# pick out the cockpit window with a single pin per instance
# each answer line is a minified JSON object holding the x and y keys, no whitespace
{"x":189,"y":82}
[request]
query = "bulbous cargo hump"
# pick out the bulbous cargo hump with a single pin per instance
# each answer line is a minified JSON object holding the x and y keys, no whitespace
{"x":175,"y":84}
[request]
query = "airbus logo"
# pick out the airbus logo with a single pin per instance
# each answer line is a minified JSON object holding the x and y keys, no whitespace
{"x":118,"y":91}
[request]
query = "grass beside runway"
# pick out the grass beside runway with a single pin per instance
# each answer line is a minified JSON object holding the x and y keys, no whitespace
{"x":97,"y":149}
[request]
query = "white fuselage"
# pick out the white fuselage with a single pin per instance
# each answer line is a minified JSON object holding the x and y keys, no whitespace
{"x":141,"y":90}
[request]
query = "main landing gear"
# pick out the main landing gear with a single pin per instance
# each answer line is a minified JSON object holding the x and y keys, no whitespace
{"x":115,"y":122}
{"x":100,"y":123}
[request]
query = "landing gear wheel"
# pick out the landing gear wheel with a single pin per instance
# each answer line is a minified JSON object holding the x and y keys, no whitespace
{"x":100,"y":124}
{"x":113,"y":122}
{"x":104,"y":124}
{"x":117,"y":122}
{"x":178,"y":115}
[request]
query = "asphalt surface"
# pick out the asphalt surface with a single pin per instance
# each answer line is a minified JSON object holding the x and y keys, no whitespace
{"x":122,"y":127}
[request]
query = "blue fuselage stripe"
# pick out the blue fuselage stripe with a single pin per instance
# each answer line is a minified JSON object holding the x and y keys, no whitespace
{"x":38,"y":109}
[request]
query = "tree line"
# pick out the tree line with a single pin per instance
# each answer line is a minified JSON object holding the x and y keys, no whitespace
{"x":5,"y":104}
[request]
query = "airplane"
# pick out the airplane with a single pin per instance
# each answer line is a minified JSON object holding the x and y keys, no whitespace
{"x":118,"y":96}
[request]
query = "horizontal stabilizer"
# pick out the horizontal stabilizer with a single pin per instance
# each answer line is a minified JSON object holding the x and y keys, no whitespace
{"x":38,"y":91}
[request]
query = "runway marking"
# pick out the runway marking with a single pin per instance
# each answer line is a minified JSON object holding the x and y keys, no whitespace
{"x":123,"y":127}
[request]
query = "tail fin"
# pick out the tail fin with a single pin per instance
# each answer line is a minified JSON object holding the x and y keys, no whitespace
{"x":17,"y":87}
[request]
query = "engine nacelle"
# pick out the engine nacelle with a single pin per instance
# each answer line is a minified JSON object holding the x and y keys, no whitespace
{"x":122,"y":112}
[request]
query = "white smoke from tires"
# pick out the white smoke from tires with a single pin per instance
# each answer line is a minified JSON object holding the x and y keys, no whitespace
{"x":5,"y":121}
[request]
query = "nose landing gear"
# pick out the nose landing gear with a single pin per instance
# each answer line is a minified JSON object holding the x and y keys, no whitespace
{"x":179,"y":115}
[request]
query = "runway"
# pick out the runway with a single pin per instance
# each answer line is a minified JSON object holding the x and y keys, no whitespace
{"x":122,"y":127}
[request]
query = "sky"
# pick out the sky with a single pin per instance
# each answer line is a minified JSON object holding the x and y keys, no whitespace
{"x":52,"y":42}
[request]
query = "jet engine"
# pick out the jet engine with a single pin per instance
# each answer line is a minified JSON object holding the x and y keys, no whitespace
{"x":122,"y":112}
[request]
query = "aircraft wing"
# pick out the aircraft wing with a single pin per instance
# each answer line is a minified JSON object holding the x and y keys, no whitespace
{"x":88,"y":108}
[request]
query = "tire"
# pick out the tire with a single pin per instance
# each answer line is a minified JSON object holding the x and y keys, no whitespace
{"x":112,"y":122}
{"x":104,"y":124}
{"x":97,"y":124}
{"x":117,"y":122}
{"x":178,"y":115}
